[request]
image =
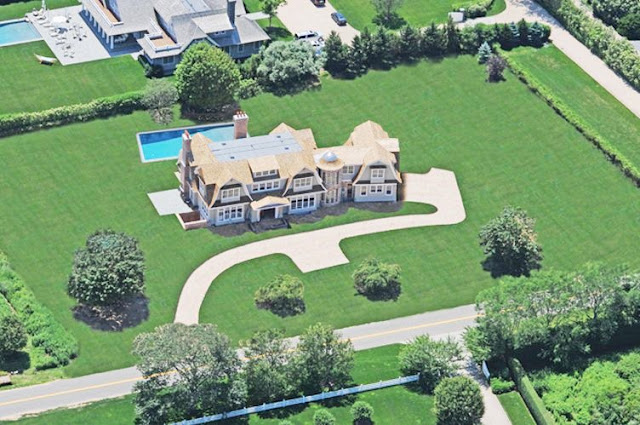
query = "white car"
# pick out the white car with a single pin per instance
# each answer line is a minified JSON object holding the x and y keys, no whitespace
{"x":308,"y":35}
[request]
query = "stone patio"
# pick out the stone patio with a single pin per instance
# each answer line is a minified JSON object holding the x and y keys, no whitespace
{"x":77,"y":43}
{"x":168,"y":202}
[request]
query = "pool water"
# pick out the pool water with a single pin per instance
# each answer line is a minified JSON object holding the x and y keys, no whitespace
{"x":166,"y":144}
{"x":17,"y":32}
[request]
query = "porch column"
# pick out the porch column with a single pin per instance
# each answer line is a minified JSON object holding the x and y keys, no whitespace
{"x":111,"y":41}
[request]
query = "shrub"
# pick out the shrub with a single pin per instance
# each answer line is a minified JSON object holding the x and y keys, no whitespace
{"x":377,"y":280}
{"x":150,"y":71}
{"x":529,"y":395}
{"x":52,"y":345}
{"x":362,"y":413}
{"x":629,"y":26}
{"x":14,"y":336}
{"x":458,"y":401}
{"x":501,"y":386}
{"x":433,"y":360}
{"x":158,"y":97}
{"x":103,"y":107}
{"x":288,"y":66}
{"x":108,"y":270}
{"x":323,"y":417}
{"x":484,"y":53}
{"x":282,"y":296}
{"x":249,"y":88}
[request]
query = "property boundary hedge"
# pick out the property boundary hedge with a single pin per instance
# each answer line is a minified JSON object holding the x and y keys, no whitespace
{"x":600,"y":142}
{"x":103,"y":107}
{"x":52,"y":344}
{"x":618,"y":54}
{"x":531,"y":398}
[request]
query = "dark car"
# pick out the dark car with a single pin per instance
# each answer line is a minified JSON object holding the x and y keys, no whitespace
{"x":318,"y":2}
{"x":339,"y":18}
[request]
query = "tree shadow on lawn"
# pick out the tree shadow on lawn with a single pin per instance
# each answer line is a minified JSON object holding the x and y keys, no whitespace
{"x":16,"y":361}
{"x":391,"y":294}
{"x":114,"y":319}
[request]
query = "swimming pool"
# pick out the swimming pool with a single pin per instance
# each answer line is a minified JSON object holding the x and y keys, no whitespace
{"x":166,"y":144}
{"x":16,"y":32}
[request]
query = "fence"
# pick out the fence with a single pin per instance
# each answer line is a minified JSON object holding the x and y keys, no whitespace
{"x":301,"y":400}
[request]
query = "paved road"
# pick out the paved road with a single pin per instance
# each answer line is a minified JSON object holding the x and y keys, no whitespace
{"x":76,"y":391}
{"x":302,"y":15}
{"x":320,"y":249}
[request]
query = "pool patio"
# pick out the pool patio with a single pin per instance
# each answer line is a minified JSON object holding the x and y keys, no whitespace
{"x":76,"y":42}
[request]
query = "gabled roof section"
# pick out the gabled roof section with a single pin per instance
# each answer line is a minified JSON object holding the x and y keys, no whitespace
{"x":263,"y":163}
{"x":304,"y":137}
{"x":366,"y":133}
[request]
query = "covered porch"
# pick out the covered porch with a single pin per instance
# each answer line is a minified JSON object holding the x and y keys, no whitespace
{"x":268,"y":207}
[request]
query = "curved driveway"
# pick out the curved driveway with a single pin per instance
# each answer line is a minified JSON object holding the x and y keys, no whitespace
{"x":320,"y":249}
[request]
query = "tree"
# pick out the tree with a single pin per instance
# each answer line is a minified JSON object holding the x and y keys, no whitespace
{"x":159,"y":97}
{"x":206,"y":78}
{"x":536,"y":35}
{"x":270,"y":7}
{"x":509,"y":241}
{"x":409,"y":44}
{"x":377,"y":280}
{"x":629,"y":26}
{"x":14,"y":336}
{"x":357,"y":59}
{"x":336,"y":54}
{"x":452,"y":37}
{"x":484,"y":53}
{"x":288,"y":66}
{"x":191,"y":371}
{"x":387,"y":10}
{"x":458,"y":401}
{"x":505,"y":36}
{"x":108,"y":270}
{"x":362,"y":413}
{"x":322,"y":361}
{"x":381,"y":52}
{"x":515,"y":34}
{"x":282,"y":296}
{"x":432,"y":41}
{"x":323,"y":417}
{"x":433,"y":360}
{"x":523,"y":32}
{"x":267,"y":370}
{"x":495,"y":69}
{"x":612,"y":11}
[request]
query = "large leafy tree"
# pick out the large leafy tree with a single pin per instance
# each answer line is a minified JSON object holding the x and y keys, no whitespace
{"x":191,"y":371}
{"x":612,"y":11}
{"x":206,"y":78}
{"x":288,"y":66}
{"x":510,"y":242}
{"x":13,"y":335}
{"x":282,"y":296}
{"x":376,"y":279}
{"x":433,"y":360}
{"x":387,"y":10}
{"x":458,"y":401}
{"x":267,"y":368}
{"x":108,"y":270}
{"x":322,"y":361}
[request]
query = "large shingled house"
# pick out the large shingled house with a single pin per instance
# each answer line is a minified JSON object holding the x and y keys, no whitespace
{"x":284,"y":172}
{"x":164,"y":29}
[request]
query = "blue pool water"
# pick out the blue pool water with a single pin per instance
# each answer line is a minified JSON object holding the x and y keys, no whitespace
{"x":159,"y":145}
{"x":17,"y":32}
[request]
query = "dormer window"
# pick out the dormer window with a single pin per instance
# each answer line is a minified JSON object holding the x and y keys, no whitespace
{"x":377,"y":174}
{"x":265,"y":173}
{"x":231,"y":194}
{"x":303,"y":183}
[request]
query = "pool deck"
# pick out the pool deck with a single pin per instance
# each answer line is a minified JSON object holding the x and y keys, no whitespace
{"x":69,"y":50}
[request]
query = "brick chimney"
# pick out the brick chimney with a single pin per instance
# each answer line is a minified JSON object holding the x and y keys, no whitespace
{"x":231,"y":11}
{"x":185,"y":153}
{"x":240,"y":125}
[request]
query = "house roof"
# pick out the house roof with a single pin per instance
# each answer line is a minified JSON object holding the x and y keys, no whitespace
{"x":263,"y":163}
{"x":269,"y":201}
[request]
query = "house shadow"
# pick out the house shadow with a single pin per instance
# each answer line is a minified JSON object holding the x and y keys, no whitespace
{"x":114,"y":319}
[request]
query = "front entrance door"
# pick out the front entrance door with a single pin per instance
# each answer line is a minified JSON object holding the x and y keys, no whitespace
{"x":268,"y":213}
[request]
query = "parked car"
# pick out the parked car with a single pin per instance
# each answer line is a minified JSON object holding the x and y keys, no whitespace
{"x":308,"y":35}
{"x":318,"y":2}
{"x":339,"y":18}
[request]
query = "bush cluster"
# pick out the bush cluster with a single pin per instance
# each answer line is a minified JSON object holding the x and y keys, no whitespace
{"x":150,"y":70}
{"x":501,"y":386}
{"x":23,"y":122}
{"x":624,"y":15}
{"x":384,"y":49}
{"x":619,"y":54}
{"x":53,"y":344}
{"x":282,"y":296}
{"x":479,"y":9}
{"x":377,"y":280}
{"x":600,"y":142}
{"x":529,"y":395}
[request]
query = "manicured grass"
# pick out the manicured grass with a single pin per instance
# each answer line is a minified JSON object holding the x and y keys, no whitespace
{"x":28,"y":86}
{"x":516,"y":409}
{"x":585,"y":96}
{"x":497,"y":7}
{"x":504,"y":144}
{"x":277,"y":30}
{"x":18,"y":10}
{"x":420,"y":13}
{"x":392,"y":405}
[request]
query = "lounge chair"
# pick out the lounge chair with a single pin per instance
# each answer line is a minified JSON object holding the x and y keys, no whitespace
{"x":54,"y":33}
{"x":45,"y":60}
{"x":61,"y":40}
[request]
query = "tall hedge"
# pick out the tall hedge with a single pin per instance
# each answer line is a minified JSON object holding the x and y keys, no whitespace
{"x":531,"y":398}
{"x":52,"y":344}
{"x":103,"y":107}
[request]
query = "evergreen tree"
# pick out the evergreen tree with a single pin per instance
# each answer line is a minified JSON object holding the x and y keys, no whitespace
{"x":432,"y":41}
{"x":452,"y":37}
{"x":484,"y":53}
{"x":382,"y":53}
{"x":505,"y":36}
{"x":357,"y":58}
{"x":409,"y":44}
{"x":515,"y":34}
{"x":536,"y":35}
{"x":367,"y":46}
{"x":523,"y":30}
{"x":336,"y":54}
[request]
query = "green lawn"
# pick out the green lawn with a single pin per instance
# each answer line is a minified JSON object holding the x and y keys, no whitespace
{"x":516,"y":409}
{"x":18,"y":10}
{"x":28,"y":86}
{"x":397,"y":405}
{"x":277,"y":30}
{"x":505,"y":145}
{"x":585,"y":96}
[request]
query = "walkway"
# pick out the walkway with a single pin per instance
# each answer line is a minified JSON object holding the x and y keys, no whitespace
{"x":570,"y":46}
{"x":320,"y":249}
{"x":303,"y":15}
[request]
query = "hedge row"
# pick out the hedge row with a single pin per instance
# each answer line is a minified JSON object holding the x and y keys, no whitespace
{"x":531,"y":398}
{"x":618,"y":54}
{"x":600,"y":142}
{"x":479,"y":9}
{"x":53,"y":345}
{"x":23,"y":122}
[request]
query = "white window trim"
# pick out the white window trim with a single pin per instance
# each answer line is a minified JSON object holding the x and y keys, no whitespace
{"x":363,"y":191}
{"x":379,"y":174}
{"x":389,"y":190}
{"x":302,"y":202}
{"x":230,"y":194}
{"x":302,"y":183}
{"x":230,"y":213}
{"x":265,"y":186}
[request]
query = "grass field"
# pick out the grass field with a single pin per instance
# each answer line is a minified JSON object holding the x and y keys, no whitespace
{"x":28,"y":86}
{"x":516,"y":409}
{"x":586,"y":97}
{"x":277,"y":30}
{"x":18,"y":10}
{"x":397,"y":405}
{"x":505,"y":145}
{"x":420,"y":13}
